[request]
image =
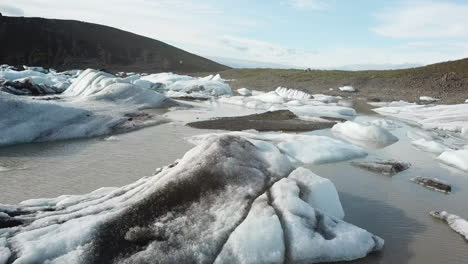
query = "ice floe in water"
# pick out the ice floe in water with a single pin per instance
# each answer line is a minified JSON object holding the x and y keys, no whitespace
{"x":347,"y":88}
{"x":364,"y":134}
{"x":444,"y":117}
{"x":456,"y":158}
{"x":244,"y":92}
{"x":455,"y":222}
{"x":430,"y":146}
{"x":95,"y":104}
{"x":310,"y":149}
{"x":428,"y":99}
{"x":300,"y":103}
{"x":211,"y":205}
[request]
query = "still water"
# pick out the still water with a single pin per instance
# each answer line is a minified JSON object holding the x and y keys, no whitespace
{"x":392,"y":207}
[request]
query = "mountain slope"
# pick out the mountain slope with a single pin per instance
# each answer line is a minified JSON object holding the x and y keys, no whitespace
{"x":68,"y":44}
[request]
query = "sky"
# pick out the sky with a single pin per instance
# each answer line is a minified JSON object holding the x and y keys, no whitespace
{"x":301,"y":33}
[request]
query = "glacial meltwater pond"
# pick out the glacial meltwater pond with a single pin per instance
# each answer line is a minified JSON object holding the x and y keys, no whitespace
{"x":392,"y":207}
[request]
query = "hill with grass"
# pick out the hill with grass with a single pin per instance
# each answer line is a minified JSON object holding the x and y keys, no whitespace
{"x":69,"y":44}
{"x":447,"y":81}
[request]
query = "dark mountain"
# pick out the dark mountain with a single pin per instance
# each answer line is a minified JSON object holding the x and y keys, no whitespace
{"x":70,"y":44}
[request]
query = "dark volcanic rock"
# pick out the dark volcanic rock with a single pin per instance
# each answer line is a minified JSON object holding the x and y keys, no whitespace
{"x":281,"y":120}
{"x":69,"y":44}
{"x":384,"y":167}
{"x":433,"y":184}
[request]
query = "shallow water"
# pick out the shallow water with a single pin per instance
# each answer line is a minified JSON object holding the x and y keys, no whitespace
{"x":392,"y":207}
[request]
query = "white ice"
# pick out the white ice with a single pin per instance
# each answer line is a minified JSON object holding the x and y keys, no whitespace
{"x":444,"y":117}
{"x":347,"y":88}
{"x":428,"y":99}
{"x":456,"y":158}
{"x":244,"y":92}
{"x":455,"y":222}
{"x":430,"y":146}
{"x":356,"y":132}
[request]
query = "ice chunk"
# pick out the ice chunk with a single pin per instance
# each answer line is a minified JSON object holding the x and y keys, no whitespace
{"x":244,"y":92}
{"x":455,"y":222}
{"x":428,"y":99}
{"x":430,"y":146}
{"x":347,"y":88}
{"x":5,"y":252}
{"x":292,"y":93}
{"x":357,"y":132}
{"x":313,"y":236}
{"x":385,"y":123}
{"x":457,"y":158}
{"x":444,"y":117}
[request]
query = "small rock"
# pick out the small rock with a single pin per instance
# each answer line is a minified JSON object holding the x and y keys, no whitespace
{"x":434,"y":184}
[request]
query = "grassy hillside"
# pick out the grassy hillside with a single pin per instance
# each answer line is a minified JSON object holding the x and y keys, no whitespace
{"x":67,"y":44}
{"x":447,"y":81}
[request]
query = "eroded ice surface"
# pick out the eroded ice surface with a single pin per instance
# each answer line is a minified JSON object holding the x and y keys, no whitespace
{"x":198,"y":210}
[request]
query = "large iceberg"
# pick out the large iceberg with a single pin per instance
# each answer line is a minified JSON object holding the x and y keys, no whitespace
{"x":226,"y":200}
{"x":96,"y":103}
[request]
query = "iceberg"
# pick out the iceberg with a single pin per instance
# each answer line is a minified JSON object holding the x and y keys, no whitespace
{"x":95,"y":104}
{"x":213,"y":205}
{"x":364,"y":133}
{"x":455,"y":222}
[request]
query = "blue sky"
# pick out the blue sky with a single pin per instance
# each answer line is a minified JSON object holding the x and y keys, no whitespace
{"x":306,"y":33}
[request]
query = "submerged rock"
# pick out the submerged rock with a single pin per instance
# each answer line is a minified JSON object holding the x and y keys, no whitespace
{"x":455,"y":222}
{"x":434,"y":184}
{"x":384,"y":167}
{"x":281,"y":120}
{"x":227,"y":200}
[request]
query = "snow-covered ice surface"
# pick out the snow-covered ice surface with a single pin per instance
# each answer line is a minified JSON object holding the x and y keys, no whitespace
{"x":240,"y":187}
{"x":430,"y":146}
{"x":364,"y":134}
{"x":444,"y":117}
{"x":455,"y":222}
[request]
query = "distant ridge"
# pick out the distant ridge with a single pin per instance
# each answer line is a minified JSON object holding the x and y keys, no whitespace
{"x":70,"y":44}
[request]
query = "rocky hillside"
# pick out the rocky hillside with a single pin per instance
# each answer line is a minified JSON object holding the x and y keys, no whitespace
{"x":69,"y":44}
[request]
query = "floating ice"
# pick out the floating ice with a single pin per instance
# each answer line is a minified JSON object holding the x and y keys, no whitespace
{"x":430,"y":146}
{"x":385,"y":123}
{"x":95,"y":104}
{"x":244,"y":92}
{"x":428,"y":99}
{"x":364,"y":133}
{"x":456,"y":158}
{"x":292,"y":93}
{"x":455,"y":222}
{"x":347,"y":88}
{"x":303,"y":148}
{"x":225,"y":200}
{"x":444,"y":117}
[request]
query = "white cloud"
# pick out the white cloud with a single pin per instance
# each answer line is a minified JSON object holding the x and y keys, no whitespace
{"x":424,"y":19}
{"x":11,"y":10}
{"x":308,"y":4}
